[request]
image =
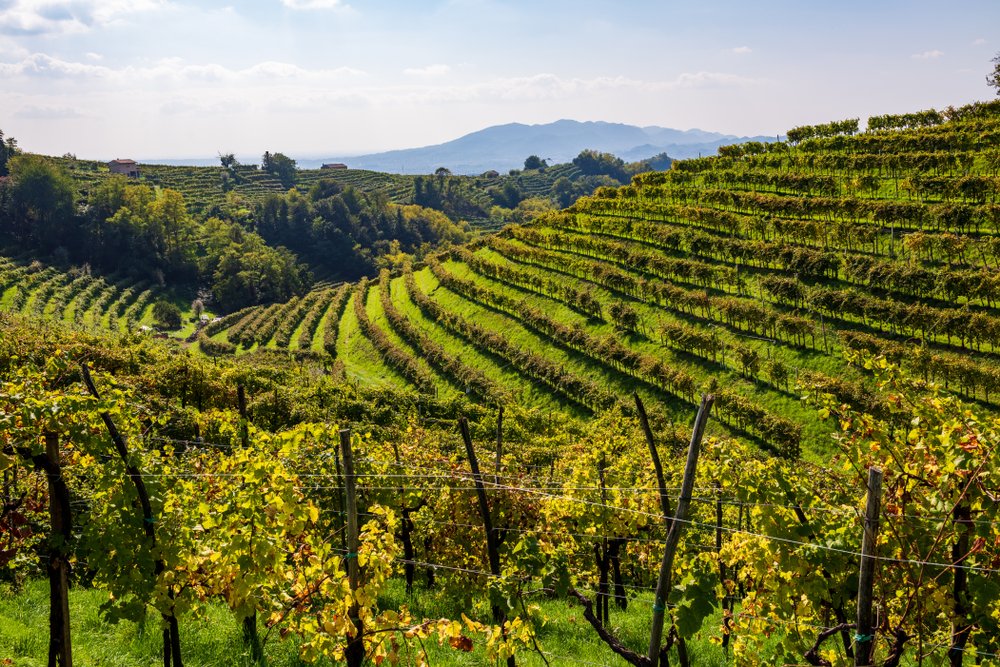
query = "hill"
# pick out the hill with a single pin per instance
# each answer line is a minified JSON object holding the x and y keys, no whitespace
{"x":346,"y":425}
{"x":753,"y":272}
{"x":504,"y":147}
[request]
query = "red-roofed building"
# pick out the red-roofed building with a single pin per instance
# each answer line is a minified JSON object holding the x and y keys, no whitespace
{"x":129,"y":168}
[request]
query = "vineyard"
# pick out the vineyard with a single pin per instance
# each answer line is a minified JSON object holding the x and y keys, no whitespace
{"x":469,"y":459}
{"x":752,"y":272}
{"x":206,"y":189}
{"x":75,"y":297}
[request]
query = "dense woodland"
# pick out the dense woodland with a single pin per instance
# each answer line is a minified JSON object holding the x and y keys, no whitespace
{"x":483,"y":448}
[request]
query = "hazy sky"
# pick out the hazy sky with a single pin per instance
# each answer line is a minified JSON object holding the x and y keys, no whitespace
{"x":172,"y":78}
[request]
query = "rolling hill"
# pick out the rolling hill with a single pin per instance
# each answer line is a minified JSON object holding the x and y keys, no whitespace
{"x":504,"y":147}
{"x":754,"y":272}
{"x":747,"y":280}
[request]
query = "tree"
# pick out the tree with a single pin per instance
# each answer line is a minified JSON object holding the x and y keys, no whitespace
{"x":563,"y":191}
{"x":994,"y":77}
{"x":167,"y":315}
{"x":508,"y":196}
{"x":593,"y":163}
{"x":41,"y":201}
{"x":8,"y":149}
{"x":534,"y":162}
{"x":281,"y":166}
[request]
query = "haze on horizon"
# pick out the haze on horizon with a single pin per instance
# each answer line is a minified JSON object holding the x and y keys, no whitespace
{"x":174,"y":78}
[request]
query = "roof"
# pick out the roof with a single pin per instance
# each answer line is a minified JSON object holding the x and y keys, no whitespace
{"x":120,"y":161}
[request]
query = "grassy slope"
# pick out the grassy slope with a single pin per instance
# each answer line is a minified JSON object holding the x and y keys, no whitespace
{"x":373,"y":305}
{"x":214,"y":640}
{"x":361,"y":361}
{"x":524,"y":391}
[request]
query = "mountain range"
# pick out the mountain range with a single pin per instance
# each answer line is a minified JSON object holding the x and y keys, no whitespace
{"x":505,"y":147}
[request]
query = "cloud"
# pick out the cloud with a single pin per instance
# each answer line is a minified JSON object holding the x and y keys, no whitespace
{"x":44,"y":66}
{"x":313,"y":4}
{"x":427,"y":72}
{"x":741,"y":50}
{"x":40,"y":17}
{"x":48,"y":113}
{"x":546,"y":86}
{"x":928,"y":55}
{"x":979,"y":42}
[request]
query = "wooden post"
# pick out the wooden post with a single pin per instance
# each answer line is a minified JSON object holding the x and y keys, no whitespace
{"x":864,"y":640}
{"x":171,"y":634}
{"x":499,"y":461}
{"x":250,"y":636}
{"x":241,"y":405}
{"x":603,"y":556}
{"x":960,"y":628}
{"x":492,"y":549}
{"x":644,"y":422}
{"x":407,"y":526}
{"x":60,"y":648}
{"x":727,"y":601}
{"x":355,"y":652}
{"x":674,"y":535}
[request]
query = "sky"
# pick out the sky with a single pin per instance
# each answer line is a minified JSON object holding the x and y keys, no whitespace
{"x":150,"y":79}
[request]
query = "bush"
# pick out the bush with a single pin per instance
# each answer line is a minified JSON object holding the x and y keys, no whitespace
{"x":166,"y":315}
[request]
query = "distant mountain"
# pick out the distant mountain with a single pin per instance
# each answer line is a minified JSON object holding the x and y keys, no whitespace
{"x":504,"y":147}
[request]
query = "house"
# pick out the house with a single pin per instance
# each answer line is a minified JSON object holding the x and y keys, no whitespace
{"x":129,"y":168}
{"x":334,"y":165}
{"x":492,"y":173}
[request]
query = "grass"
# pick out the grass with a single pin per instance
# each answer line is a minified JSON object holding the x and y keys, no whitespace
{"x":526,"y":392}
{"x":213,"y":640}
{"x":213,"y":637}
{"x":361,"y":360}
{"x":513,"y":330}
{"x":373,"y":306}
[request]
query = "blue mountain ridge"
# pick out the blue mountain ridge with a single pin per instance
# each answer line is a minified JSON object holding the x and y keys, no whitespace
{"x":504,"y":147}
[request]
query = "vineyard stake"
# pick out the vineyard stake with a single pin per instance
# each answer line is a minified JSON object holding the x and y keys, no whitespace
{"x":492,"y":550}
{"x":406,"y":525}
{"x":864,"y":640}
{"x":499,"y":460}
{"x":241,"y":405}
{"x":727,"y":602}
{"x":171,"y":635}
{"x":674,"y":535}
{"x":355,"y":652}
{"x":960,"y":587}
{"x":60,"y":647}
{"x":250,"y":636}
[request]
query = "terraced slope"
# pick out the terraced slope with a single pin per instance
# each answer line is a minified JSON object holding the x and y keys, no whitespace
{"x":749,"y":274}
{"x":205,"y":188}
{"x":76,"y":297}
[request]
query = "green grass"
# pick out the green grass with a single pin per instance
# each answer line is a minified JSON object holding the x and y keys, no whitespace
{"x":527,"y":393}
{"x":575,"y":362}
{"x":373,"y":306}
{"x":361,"y":360}
{"x":213,"y":640}
{"x":213,"y":637}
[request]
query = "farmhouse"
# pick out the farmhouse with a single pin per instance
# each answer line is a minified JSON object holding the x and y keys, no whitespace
{"x":129,"y":168}
{"x":334,"y":165}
